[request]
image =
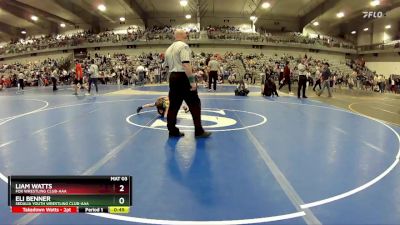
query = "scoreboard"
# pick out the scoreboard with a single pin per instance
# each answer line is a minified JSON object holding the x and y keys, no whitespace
{"x":70,"y":194}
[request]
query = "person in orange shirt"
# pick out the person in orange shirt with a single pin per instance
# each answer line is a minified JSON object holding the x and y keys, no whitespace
{"x":78,"y":76}
{"x":1,"y":83}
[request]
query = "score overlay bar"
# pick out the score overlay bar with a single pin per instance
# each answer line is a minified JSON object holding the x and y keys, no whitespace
{"x":69,"y":209}
{"x":69,"y":194}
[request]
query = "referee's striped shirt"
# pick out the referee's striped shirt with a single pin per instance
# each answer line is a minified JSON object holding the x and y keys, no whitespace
{"x":177,"y":54}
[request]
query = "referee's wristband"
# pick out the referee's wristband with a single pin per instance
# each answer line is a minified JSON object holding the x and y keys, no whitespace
{"x":191,"y":79}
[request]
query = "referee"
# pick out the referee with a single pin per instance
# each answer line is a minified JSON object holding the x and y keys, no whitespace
{"x":302,"y":78}
{"x":182,"y":86}
{"x":214,"y":68}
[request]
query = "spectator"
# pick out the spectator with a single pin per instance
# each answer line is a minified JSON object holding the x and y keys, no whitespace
{"x":54,"y":79}
{"x":1,"y":82}
{"x":232,"y":78}
{"x":213,"y":72}
{"x":302,"y":78}
{"x":94,"y":75}
{"x":21,"y":83}
{"x":242,"y":89}
{"x":326,"y":77}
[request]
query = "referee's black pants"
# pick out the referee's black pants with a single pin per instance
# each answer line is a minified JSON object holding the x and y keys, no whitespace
{"x":54,"y":82}
{"x":179,"y":90}
{"x":212,"y":79}
{"x":21,"y":83}
{"x":302,"y":85}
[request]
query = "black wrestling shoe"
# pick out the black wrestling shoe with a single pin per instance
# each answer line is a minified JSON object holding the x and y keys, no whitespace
{"x":180,"y":134}
{"x":205,"y":134}
{"x":139,"y":109}
{"x":305,"y":97}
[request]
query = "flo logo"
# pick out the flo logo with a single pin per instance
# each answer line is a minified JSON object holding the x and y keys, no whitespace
{"x":216,"y":120}
{"x":373,"y":14}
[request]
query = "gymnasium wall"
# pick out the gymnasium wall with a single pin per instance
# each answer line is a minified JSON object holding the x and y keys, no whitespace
{"x":364,"y":39}
{"x":386,"y":64}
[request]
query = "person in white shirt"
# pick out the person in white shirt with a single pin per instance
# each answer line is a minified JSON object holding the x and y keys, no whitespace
{"x":182,"y":86}
{"x":157,"y":74}
{"x":350,"y":82}
{"x":302,"y":79}
{"x":141,"y":74}
{"x":317,"y":79}
{"x":21,"y":85}
{"x":334,"y":79}
{"x":213,"y":70}
{"x":392,"y":84}
{"x":64,"y":76}
{"x":94,"y":75}
{"x":232,"y":78}
{"x":382,"y":84}
{"x":151,"y":76}
{"x":54,"y":79}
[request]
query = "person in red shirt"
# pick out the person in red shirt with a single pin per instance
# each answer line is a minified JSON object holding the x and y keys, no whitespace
{"x":7,"y":82}
{"x":78,"y":76}
{"x":1,"y":83}
{"x":286,"y":78}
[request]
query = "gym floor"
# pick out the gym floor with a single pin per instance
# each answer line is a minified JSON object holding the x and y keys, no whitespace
{"x":269,"y":161}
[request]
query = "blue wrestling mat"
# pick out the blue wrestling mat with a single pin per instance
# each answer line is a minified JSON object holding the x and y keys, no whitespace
{"x":269,"y":160}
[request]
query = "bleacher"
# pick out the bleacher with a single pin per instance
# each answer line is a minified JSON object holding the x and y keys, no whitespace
{"x":159,"y":34}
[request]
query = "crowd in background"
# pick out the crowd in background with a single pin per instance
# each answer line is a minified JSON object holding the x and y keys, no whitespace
{"x":132,"y":34}
{"x":235,"y":67}
{"x":87,"y":37}
{"x":349,"y":78}
{"x":114,"y":69}
{"x":232,"y":33}
{"x":33,"y":73}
